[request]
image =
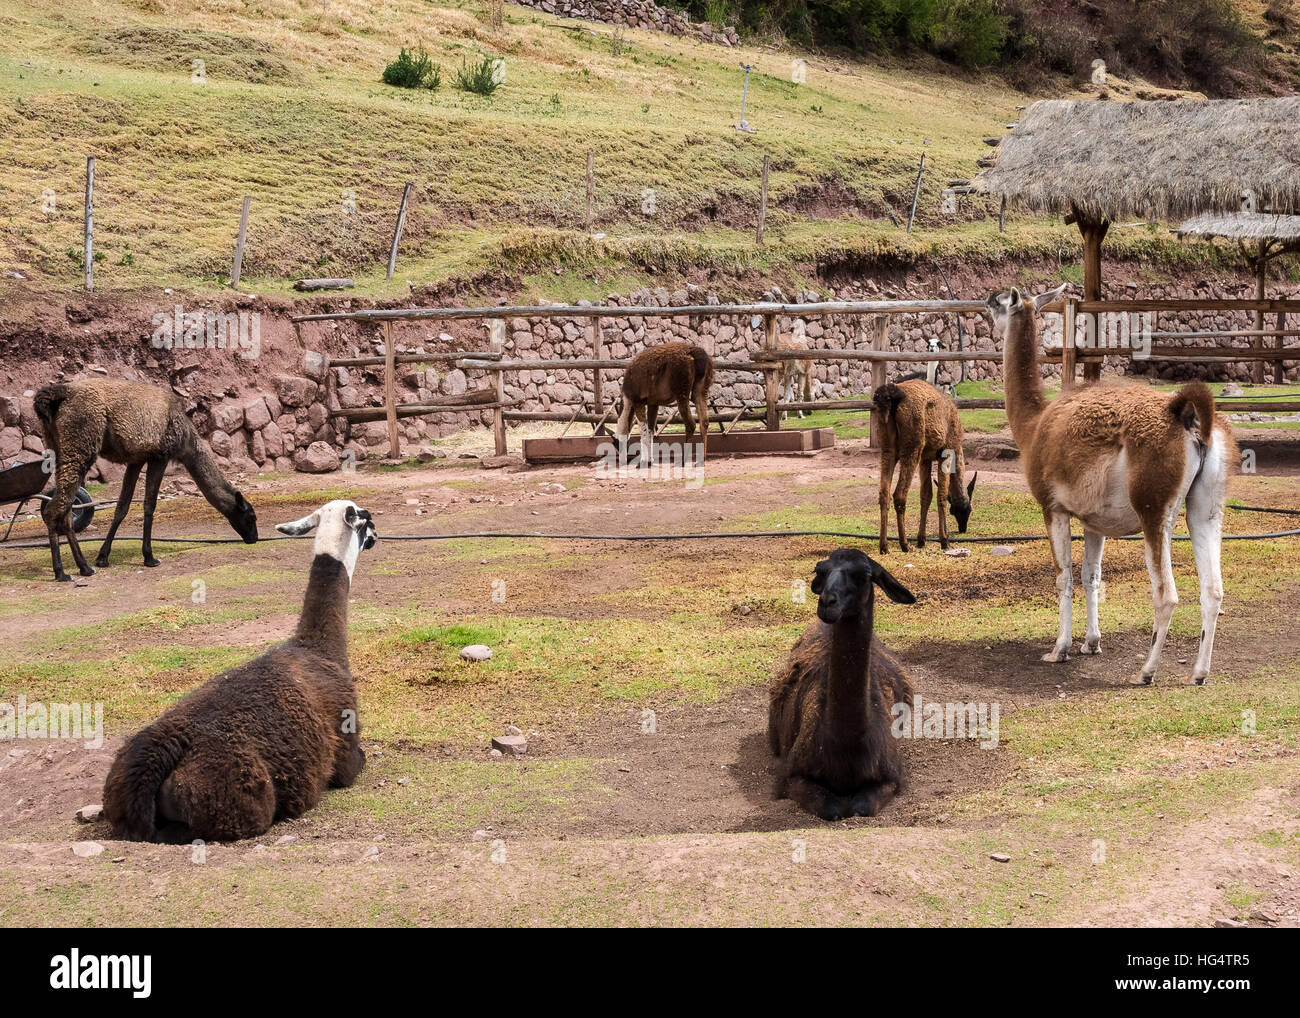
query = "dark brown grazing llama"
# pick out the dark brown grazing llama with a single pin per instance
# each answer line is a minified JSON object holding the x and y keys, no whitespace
{"x":829,"y":723}
{"x":669,"y":373}
{"x":920,"y":426}
{"x":1119,"y":459}
{"x":263,"y":741}
{"x":135,"y":424}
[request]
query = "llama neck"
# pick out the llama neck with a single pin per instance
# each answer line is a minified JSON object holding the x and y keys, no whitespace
{"x":203,"y":468}
{"x":1024,"y":387}
{"x":323,"y":625}
{"x":847,"y":688}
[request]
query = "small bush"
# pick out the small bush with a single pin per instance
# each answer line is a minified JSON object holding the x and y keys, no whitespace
{"x":413,"y":70}
{"x":480,"y":78}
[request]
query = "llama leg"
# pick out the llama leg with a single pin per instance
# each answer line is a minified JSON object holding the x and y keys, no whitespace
{"x":1164,"y":596}
{"x":702,"y":411}
{"x":1205,"y":521}
{"x":1093,"y":545}
{"x":152,"y":482}
{"x":119,"y":514}
{"x":623,"y":429}
{"x":943,"y":484}
{"x":1058,"y":532}
{"x":817,"y":798}
{"x":927,"y":496}
{"x":57,"y":513}
{"x":906,"y":471}
{"x":886,"y":476}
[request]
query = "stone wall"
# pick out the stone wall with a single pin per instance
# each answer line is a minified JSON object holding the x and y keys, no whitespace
{"x":635,"y":14}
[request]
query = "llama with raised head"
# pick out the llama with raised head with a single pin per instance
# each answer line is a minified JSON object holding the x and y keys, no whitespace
{"x":794,"y":377}
{"x":140,"y":426}
{"x":919,"y":427}
{"x":1119,"y":459}
{"x":829,"y":720}
{"x":678,"y":373}
{"x":263,"y":741}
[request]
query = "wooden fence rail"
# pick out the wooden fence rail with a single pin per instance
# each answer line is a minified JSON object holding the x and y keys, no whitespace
{"x":767,"y":360}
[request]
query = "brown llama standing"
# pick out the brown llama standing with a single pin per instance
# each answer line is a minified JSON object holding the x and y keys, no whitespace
{"x":831,"y":702}
{"x":140,"y":426}
{"x":669,"y":373}
{"x":794,"y":378}
{"x":1120,"y":460}
{"x":920,"y":426}
{"x":262,"y":741}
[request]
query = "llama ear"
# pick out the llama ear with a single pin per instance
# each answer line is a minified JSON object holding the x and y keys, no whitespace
{"x":1043,"y":299}
{"x":299,"y":527}
{"x":1014,"y":297}
{"x":819,"y":577}
{"x":892,"y":588}
{"x":970,"y":488}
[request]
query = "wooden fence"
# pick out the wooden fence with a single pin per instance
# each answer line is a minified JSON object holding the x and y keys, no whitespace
{"x":873,"y":319}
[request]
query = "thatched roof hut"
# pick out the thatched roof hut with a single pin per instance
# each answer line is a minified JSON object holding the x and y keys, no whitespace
{"x":1103,"y":160}
{"x":1265,"y":227}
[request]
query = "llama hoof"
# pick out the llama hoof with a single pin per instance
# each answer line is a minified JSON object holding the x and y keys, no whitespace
{"x":1196,"y":680}
{"x":884,"y":549}
{"x":904,"y":547}
{"x":63,"y":577}
{"x":151,"y":562}
{"x":1055,"y":657}
{"x":920,"y":542}
{"x":87,"y":571}
{"x":101,"y":563}
{"x":1090,"y":647}
{"x":1143,"y":680}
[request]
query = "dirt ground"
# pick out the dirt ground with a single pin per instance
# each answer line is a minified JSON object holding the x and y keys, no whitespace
{"x":602,"y":822}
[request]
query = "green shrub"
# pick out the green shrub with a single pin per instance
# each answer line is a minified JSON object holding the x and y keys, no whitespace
{"x":479,"y":78}
{"x":413,"y":70}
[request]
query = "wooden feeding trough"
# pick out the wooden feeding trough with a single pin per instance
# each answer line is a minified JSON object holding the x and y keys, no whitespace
{"x":580,"y":448}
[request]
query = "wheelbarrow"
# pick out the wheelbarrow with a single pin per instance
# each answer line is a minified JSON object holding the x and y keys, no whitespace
{"x":23,"y":482}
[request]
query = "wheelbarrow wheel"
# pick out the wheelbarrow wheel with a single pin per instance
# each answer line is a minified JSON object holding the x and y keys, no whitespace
{"x":83,"y":510}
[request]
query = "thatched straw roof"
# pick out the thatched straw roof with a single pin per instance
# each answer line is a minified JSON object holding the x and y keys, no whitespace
{"x":1164,"y":160}
{"x":1243,"y":226}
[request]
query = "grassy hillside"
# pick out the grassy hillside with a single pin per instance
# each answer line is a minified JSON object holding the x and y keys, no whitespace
{"x":292,"y":112}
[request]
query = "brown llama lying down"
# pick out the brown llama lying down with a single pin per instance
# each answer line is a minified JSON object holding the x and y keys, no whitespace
{"x":829,"y":723}
{"x":1119,"y":459}
{"x":920,"y":426}
{"x":263,"y":741}
{"x":669,"y":373}
{"x":132,"y":423}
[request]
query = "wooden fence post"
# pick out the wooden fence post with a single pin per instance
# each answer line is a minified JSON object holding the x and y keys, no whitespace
{"x":762,"y":201}
{"x":89,"y":250}
{"x":239,"y":244}
{"x":1002,"y":216}
{"x":1067,"y":347}
{"x":589,"y":221}
{"x":390,"y":391}
{"x":770,"y":379}
{"x":879,"y":369}
{"x":1279,"y":372}
{"x":397,"y":228}
{"x":916,"y":194}
{"x":596,"y":340}
{"x":497,"y":343}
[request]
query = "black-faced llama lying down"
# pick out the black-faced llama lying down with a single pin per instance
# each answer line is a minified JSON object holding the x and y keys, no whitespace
{"x":263,"y":741}
{"x":829,"y":724}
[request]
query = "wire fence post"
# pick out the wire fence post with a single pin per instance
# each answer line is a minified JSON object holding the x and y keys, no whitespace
{"x":397,"y":228}
{"x":879,"y":369}
{"x":239,"y":244}
{"x":762,"y":201}
{"x":390,"y":391}
{"x":589,"y":220}
{"x":916,"y":193}
{"x":770,"y":368}
{"x":497,"y":343}
{"x":88,"y":253}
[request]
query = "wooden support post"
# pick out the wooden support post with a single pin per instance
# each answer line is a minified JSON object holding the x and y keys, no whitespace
{"x":589,"y":220}
{"x":1279,"y":372}
{"x":1261,"y":273}
{"x":595,"y":340}
{"x":1002,"y":216}
{"x":397,"y":228}
{"x":1094,"y":233}
{"x":1067,"y":347}
{"x":239,"y":244}
{"x":390,"y":391}
{"x":89,"y":250}
{"x":770,"y":368}
{"x":879,"y":341}
{"x":762,"y":201}
{"x":497,"y":343}
{"x":916,"y":194}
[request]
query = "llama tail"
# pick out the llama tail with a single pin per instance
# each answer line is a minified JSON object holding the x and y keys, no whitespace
{"x":886,"y":400}
{"x":46,"y":404}
{"x":1193,"y":405}
{"x":131,"y":791}
{"x":703,"y":364}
